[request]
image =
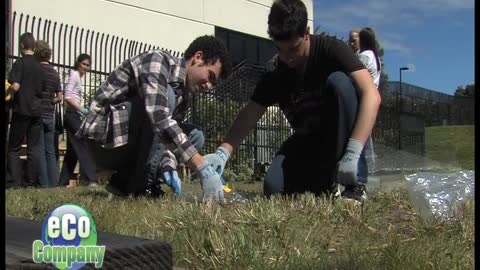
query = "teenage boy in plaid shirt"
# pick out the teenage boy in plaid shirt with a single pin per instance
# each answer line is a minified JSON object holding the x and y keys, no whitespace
{"x":134,"y":114}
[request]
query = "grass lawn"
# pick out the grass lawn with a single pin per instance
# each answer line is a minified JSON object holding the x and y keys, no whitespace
{"x":277,"y":233}
{"x":452,"y":145}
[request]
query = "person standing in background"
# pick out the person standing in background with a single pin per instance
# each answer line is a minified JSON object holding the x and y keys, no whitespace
{"x":74,"y":114}
{"x":354,"y":40}
{"x":26,"y":84}
{"x":369,"y":57}
{"x":52,"y":94}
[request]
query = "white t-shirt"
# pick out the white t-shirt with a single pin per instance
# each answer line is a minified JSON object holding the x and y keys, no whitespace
{"x":73,"y":89}
{"x":367,"y":57}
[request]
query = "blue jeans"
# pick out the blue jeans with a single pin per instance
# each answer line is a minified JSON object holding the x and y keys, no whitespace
{"x":367,"y":155}
{"x":48,"y":170}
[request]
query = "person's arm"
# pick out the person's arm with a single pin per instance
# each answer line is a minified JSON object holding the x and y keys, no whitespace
{"x":153,"y":77}
{"x":246,"y":119}
{"x":13,"y":88}
{"x":58,"y":98}
{"x":369,"y":104}
{"x":14,"y":77}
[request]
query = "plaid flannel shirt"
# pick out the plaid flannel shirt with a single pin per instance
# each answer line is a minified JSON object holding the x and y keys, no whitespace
{"x":149,"y":74}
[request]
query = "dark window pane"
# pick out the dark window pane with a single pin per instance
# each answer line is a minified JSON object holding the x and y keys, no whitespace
{"x":267,"y":51}
{"x":251,"y":50}
{"x":236,"y":44}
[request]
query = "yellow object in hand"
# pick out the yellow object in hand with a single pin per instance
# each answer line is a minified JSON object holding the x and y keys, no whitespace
{"x":8,"y":97}
{"x":227,"y":188}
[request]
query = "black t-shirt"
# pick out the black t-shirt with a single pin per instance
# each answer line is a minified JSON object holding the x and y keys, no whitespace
{"x":27,"y":72}
{"x":301,"y":100}
{"x":52,"y":85}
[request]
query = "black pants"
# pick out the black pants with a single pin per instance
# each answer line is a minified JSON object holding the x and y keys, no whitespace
{"x":308,"y":158}
{"x":22,"y":126}
{"x":76,"y":151}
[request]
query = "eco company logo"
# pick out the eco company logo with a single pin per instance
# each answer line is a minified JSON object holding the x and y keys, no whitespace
{"x":69,"y":239}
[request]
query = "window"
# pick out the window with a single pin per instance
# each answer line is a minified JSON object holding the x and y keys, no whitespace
{"x":243,"y":47}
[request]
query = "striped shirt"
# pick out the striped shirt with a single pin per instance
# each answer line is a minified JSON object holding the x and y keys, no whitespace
{"x":149,"y":74}
{"x":73,"y":89}
{"x":52,"y":86}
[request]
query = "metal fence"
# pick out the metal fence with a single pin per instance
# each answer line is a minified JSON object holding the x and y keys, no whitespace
{"x":215,"y":112}
{"x":438,"y":109}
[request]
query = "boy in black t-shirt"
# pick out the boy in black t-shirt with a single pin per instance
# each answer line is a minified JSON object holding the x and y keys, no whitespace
{"x":327,"y":96}
{"x":26,"y":79}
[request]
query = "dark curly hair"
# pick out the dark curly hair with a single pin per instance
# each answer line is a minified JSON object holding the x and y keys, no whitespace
{"x":80,"y":59}
{"x":287,"y":19}
{"x":42,"y":50}
{"x":213,"y":49}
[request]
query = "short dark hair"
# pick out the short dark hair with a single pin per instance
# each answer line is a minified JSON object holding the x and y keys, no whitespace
{"x":42,"y":50}
{"x":368,"y":41}
{"x":28,"y":41}
{"x":80,"y":59}
{"x":287,"y":19}
{"x":213,"y":49}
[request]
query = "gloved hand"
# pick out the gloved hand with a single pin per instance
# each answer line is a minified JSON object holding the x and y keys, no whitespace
{"x":171,"y":178}
{"x":85,"y":111}
{"x":196,"y":138}
{"x":218,"y":159}
{"x":211,"y":184}
{"x":347,"y":167}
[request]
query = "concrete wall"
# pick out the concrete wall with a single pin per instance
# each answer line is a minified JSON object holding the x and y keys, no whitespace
{"x":171,"y":24}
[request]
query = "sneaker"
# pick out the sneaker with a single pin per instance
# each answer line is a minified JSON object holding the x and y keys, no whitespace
{"x":114,"y":191}
{"x":357,"y":193}
{"x":93,"y":185}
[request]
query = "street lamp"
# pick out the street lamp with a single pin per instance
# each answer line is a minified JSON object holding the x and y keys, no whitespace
{"x":400,"y":108}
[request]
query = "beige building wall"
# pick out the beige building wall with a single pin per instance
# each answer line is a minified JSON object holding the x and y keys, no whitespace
{"x":166,"y":23}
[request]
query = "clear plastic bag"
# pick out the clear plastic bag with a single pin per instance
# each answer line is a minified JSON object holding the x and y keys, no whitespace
{"x":440,"y":196}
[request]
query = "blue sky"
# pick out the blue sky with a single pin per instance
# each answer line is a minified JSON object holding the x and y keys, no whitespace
{"x":435,"y":37}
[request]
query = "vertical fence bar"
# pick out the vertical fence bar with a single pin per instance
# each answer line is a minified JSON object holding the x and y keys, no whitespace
{"x":105,"y":53}
{"x":125,"y":55}
{"x":38,"y":28}
{"x":96,"y":54}
{"x":70,"y":46}
{"x":112,"y":60}
{"x":26,"y":23}
{"x":80,"y":41}
{"x":32,"y":27}
{"x":19,"y":50}
{"x":53,"y":41}
{"x":48,"y":30}
{"x":101,"y":54}
{"x":119,"y":51}
{"x":13,"y":35}
{"x":75,"y":45}
{"x":45,"y":25}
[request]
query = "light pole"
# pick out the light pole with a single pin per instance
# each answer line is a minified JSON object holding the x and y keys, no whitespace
{"x":400,"y":108}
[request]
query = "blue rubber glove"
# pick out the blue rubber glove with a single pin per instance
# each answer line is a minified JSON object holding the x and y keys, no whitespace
{"x":347,"y":167}
{"x":218,"y":159}
{"x":171,"y":179}
{"x":211,"y":184}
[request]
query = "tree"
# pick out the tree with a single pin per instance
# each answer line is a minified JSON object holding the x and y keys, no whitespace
{"x":467,"y":91}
